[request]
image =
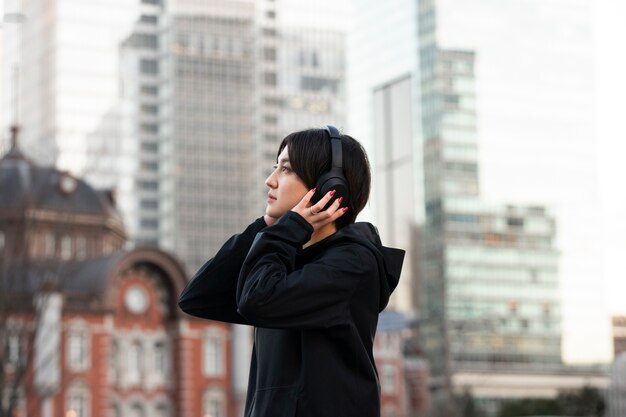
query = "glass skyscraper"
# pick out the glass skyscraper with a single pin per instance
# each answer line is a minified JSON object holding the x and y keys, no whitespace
{"x":501,"y":104}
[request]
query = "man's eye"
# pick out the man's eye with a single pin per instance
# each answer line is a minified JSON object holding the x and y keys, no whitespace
{"x":285,"y":169}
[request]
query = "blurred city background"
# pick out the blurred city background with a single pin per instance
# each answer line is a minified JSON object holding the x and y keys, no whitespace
{"x":135,"y":137}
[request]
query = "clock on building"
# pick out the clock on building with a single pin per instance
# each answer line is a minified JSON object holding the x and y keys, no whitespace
{"x":136,"y":299}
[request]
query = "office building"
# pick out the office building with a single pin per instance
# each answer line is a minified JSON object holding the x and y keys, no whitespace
{"x":495,"y":240}
{"x":619,"y":335}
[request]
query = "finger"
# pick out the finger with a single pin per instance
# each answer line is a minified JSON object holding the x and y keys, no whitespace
{"x":333,"y":207}
{"x":323,"y":201}
{"x":337,"y":214}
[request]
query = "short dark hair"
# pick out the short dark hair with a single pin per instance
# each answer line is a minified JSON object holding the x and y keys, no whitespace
{"x":310,"y":156}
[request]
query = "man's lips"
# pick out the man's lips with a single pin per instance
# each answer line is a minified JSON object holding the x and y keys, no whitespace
{"x":270,"y":198}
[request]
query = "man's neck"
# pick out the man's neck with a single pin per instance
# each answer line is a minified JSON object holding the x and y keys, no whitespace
{"x":321,"y":234}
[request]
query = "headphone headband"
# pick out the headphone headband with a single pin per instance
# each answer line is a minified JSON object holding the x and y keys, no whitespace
{"x":336,"y":151}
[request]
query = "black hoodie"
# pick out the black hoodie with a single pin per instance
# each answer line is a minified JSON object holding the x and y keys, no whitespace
{"x":315,"y":309}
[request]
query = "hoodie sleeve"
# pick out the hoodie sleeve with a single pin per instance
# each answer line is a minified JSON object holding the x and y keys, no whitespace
{"x":271,"y":292}
{"x":211,"y":292}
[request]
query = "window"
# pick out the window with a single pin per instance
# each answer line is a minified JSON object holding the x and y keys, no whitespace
{"x":389,"y":378}
{"x":149,"y":128}
{"x":148,"y":185}
{"x":1,"y":241}
{"x":160,"y":358}
{"x":515,"y":222}
{"x":14,"y":349}
{"x":162,"y":410}
{"x":149,"y":109}
{"x":137,"y":410}
{"x":319,"y":84}
{"x":66,"y":247}
{"x":150,"y":19}
{"x":77,"y":350}
{"x":81,"y":247}
{"x":49,"y":245}
{"x":213,"y":403}
{"x":155,"y":2}
{"x":149,"y":204}
{"x":150,"y":166}
{"x":149,"y":223}
{"x":150,"y":147}
{"x":135,"y":362}
{"x":269,"y":54}
{"x":149,"y":66}
{"x":269,"y":78}
{"x":150,"y":90}
{"x":77,"y":405}
{"x":213,"y":356}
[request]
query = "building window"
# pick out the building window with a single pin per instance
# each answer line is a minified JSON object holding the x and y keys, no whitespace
{"x":149,"y":204}
{"x":160,"y":359}
{"x":151,"y":224}
{"x":149,"y":128}
{"x":114,"y":361}
{"x":149,"y":66}
{"x":149,"y":19}
{"x":149,"y":109}
{"x":150,"y":147}
{"x":162,"y":410}
{"x":14,"y":349}
{"x":150,"y":166}
{"x":77,"y":350}
{"x":135,"y":362}
{"x":148,"y":185}
{"x":213,"y":356}
{"x":49,"y":245}
{"x":115,"y":410}
{"x":1,"y":241}
{"x":81,"y":247}
{"x":213,"y":403}
{"x":77,"y":403}
{"x":269,"y":54}
{"x":389,"y":378}
{"x":137,"y":410}
{"x":66,"y":247}
{"x":270,"y":78}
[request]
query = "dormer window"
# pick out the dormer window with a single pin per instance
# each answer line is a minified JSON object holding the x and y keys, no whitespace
{"x":67,"y":184}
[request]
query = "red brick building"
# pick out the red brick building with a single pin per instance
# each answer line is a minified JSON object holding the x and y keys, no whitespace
{"x":87,"y":328}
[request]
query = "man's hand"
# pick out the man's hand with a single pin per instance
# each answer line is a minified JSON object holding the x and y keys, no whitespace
{"x":314,"y":214}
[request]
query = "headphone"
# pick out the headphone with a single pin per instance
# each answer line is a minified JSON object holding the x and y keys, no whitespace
{"x":333,"y":179}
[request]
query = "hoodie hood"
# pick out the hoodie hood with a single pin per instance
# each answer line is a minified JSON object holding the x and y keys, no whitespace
{"x":389,"y":259}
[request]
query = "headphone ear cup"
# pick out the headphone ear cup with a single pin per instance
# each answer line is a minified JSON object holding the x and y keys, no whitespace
{"x":328,"y":182}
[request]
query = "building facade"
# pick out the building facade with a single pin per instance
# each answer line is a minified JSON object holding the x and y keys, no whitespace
{"x":91,"y":329}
